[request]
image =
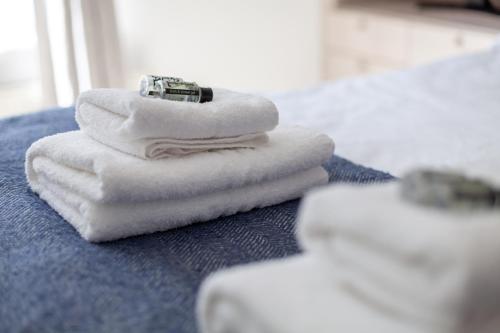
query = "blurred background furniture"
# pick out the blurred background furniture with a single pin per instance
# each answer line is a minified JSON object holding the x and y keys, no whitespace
{"x":370,"y":36}
{"x":67,"y":46}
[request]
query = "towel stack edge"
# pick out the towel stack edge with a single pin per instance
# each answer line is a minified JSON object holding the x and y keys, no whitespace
{"x":105,"y":185}
{"x":372,"y":262}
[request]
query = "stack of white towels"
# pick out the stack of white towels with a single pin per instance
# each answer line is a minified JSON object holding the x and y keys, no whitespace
{"x":372,"y":263}
{"x":139,"y":165}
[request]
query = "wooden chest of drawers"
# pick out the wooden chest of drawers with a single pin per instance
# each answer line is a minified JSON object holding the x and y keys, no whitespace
{"x":365,"y":37}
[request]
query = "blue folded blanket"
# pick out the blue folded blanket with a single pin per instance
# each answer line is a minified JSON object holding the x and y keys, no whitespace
{"x":51,"y":280}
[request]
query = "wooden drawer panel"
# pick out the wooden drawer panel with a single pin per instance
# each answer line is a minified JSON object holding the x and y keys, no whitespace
{"x":431,"y":42}
{"x":378,"y":36}
{"x":342,"y":65}
{"x":476,"y":41}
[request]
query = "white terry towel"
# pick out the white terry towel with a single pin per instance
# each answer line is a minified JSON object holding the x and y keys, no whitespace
{"x":103,"y":174}
{"x":98,"y":222}
{"x":154,"y":128}
{"x":430,"y":267}
{"x":107,"y":195}
{"x":293,"y":295}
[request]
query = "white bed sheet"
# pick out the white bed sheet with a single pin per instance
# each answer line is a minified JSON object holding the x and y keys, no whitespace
{"x":442,"y":115}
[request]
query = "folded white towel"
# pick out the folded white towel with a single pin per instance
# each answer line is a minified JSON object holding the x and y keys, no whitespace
{"x":293,"y":295}
{"x":431,"y":267}
{"x":155,"y":128}
{"x":103,"y":174}
{"x":97,"y":123}
{"x":98,"y":222}
{"x":106,"y":194}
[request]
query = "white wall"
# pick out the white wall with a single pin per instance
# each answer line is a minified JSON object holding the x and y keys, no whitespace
{"x":242,"y":44}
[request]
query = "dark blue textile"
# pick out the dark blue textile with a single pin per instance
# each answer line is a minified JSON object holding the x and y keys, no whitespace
{"x":51,"y":280}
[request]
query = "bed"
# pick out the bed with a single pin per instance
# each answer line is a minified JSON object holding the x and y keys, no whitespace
{"x":53,"y":281}
{"x":446,"y":114}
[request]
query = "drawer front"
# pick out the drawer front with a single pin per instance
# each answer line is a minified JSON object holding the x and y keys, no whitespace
{"x":431,"y":42}
{"x":344,"y":65}
{"x":374,"y":35}
{"x":477,"y":41}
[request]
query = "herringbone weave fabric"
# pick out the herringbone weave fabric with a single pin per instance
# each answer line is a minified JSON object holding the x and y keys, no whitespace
{"x":51,"y":280}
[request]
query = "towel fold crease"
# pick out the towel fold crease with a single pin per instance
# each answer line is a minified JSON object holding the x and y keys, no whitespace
{"x":106,"y":194}
{"x":429,"y":266}
{"x":154,"y":128}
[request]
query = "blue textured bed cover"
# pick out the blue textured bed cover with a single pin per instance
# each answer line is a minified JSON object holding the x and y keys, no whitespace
{"x":51,"y":280}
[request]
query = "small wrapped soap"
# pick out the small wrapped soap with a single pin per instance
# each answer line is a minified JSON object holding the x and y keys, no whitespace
{"x":448,"y":190}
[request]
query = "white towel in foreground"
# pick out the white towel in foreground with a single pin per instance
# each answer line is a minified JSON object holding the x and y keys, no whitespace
{"x":153,"y":128}
{"x":103,"y":222}
{"x":433,"y":268}
{"x":293,"y":295}
{"x":106,"y":195}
